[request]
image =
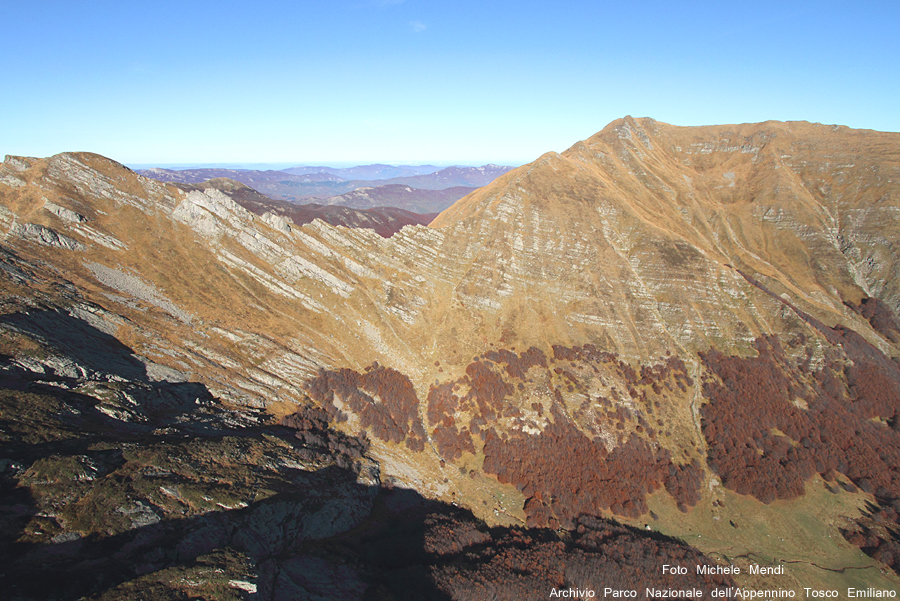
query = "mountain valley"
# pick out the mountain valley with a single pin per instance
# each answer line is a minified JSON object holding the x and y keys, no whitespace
{"x":665,"y":345}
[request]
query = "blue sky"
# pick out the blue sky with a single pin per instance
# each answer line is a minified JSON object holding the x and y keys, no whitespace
{"x":361,"y":81}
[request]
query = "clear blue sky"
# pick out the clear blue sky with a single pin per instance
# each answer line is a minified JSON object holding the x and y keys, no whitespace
{"x":425,"y":81}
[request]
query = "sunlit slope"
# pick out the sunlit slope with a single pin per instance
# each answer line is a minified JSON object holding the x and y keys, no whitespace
{"x":637,"y":231}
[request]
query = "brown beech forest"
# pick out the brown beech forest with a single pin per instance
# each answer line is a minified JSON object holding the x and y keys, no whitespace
{"x":770,"y":423}
{"x":563,"y":472}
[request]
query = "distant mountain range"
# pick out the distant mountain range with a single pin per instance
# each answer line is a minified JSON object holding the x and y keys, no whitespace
{"x":367,"y":172}
{"x":401,"y":196}
{"x":385,"y":219}
{"x":309,"y":183}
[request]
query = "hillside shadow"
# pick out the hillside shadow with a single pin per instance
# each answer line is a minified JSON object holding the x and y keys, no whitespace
{"x":94,"y":349}
{"x":385,"y":551}
{"x":291,"y":537}
{"x":83,"y":354}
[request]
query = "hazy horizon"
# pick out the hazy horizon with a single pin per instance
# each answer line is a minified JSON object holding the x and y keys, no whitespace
{"x":280,"y":165}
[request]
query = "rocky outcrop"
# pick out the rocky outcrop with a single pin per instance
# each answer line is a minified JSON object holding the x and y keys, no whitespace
{"x":40,"y":234}
{"x":64,"y":213}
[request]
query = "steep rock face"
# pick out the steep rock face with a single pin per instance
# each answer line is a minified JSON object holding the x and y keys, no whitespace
{"x":533,"y":354}
{"x":637,"y":230}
